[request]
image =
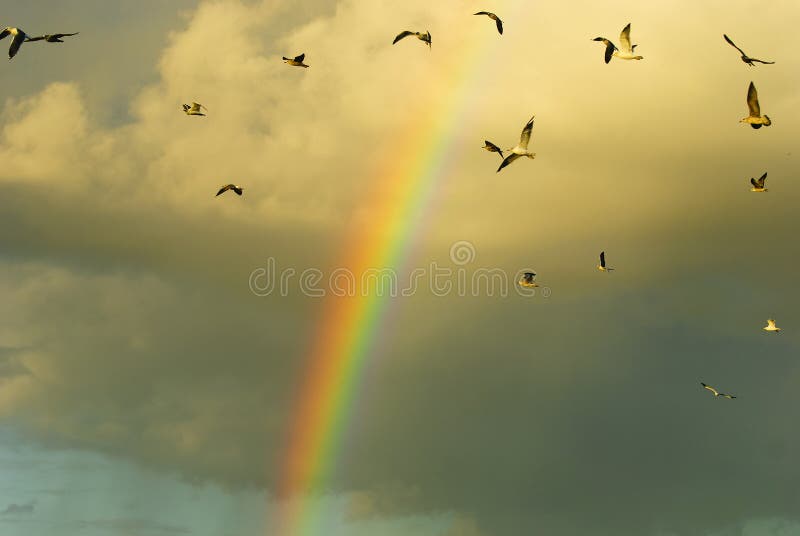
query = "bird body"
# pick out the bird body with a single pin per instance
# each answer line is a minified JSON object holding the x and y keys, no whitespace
{"x":494,"y":17}
{"x":716,"y":393}
{"x":745,"y":58}
{"x":297,"y":61}
{"x":624,"y":53}
{"x":758,"y":185}
{"x":18,"y":37}
{"x":521,"y":148}
{"x":424,"y":37}
{"x":237,"y":189}
{"x":755,"y":119}
{"x":602,"y":266}
{"x":528,"y":280}
{"x":771,"y":327}
{"x":51,"y":38}
{"x":194,"y":109}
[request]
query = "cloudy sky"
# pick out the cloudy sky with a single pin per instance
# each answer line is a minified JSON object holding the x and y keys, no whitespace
{"x":146,"y":390}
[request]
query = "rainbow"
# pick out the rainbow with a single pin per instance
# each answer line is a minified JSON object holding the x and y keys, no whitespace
{"x":349,"y":326}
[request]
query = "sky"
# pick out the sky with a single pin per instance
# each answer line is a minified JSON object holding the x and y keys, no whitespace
{"x":147,"y":388}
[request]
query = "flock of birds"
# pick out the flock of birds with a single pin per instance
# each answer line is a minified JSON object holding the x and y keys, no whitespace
{"x":626,"y":51}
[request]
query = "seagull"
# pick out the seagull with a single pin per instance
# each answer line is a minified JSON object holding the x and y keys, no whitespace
{"x":16,"y":42}
{"x":625,"y":41}
{"x":771,"y":326}
{"x":745,"y":58}
{"x":194,"y":109}
{"x":52,"y":38}
{"x":528,"y":280}
{"x":492,"y":148}
{"x":758,"y":185}
{"x":522,"y":147}
{"x":755,"y":118}
{"x":717,"y":393}
{"x":602,"y":266}
{"x":494,"y":18}
{"x":424,"y":37}
{"x":297,"y":61}
{"x":237,"y":189}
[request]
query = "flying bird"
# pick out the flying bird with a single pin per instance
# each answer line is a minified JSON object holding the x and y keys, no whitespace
{"x":492,"y":148}
{"x":494,"y":18}
{"x":745,"y":58}
{"x":297,"y":61}
{"x":528,"y":280}
{"x":424,"y":37}
{"x":51,"y":38}
{"x":755,"y":118}
{"x":194,"y":109}
{"x":18,"y":38}
{"x":602,"y":266}
{"x":771,"y":326}
{"x":758,"y":185}
{"x":626,"y":53}
{"x":717,"y":393}
{"x":522,"y":147}
{"x":237,"y":189}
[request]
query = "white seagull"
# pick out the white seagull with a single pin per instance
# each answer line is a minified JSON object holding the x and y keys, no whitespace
{"x":528,"y":280}
{"x":602,"y":266}
{"x":297,"y":61}
{"x":771,"y":327}
{"x":494,"y":18}
{"x":194,"y":109}
{"x":745,"y":58}
{"x":522,"y":147}
{"x":755,"y":118}
{"x":717,"y":393}
{"x":424,"y":37}
{"x":758,"y":185}
{"x":626,"y":53}
{"x":18,"y":38}
{"x":237,"y":189}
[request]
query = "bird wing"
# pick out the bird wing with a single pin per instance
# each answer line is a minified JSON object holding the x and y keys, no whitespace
{"x":301,"y":57}
{"x":603,"y":259}
{"x":708,"y":387}
{"x":402,"y":35}
{"x":16,"y":43}
{"x":610,"y":48}
{"x":507,"y":160}
{"x":493,"y":147}
{"x":731,"y":43}
{"x":225,"y":189}
{"x":726,"y":395}
{"x":754,"y":183}
{"x":37,"y":38}
{"x":525,"y":137}
{"x":762,"y":179}
{"x":59,"y":36}
{"x":762,"y":61}
{"x":4,"y":33}
{"x":483,"y":13}
{"x":625,"y":39}
{"x":196,"y":107}
{"x":752,"y":101}
{"x":499,"y":25}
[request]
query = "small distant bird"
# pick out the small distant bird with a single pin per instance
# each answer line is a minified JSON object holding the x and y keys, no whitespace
{"x":758,"y":185}
{"x":771,"y":326}
{"x":51,"y":38}
{"x":494,"y":18}
{"x":602,"y":266}
{"x":755,"y":118}
{"x":492,"y":148}
{"x":717,"y":393}
{"x":745,"y":58}
{"x":297,"y":61}
{"x":528,"y":280}
{"x":424,"y":37}
{"x":18,"y":38}
{"x":522,"y":147}
{"x":237,"y":189}
{"x":625,"y":41}
{"x":194,"y":109}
